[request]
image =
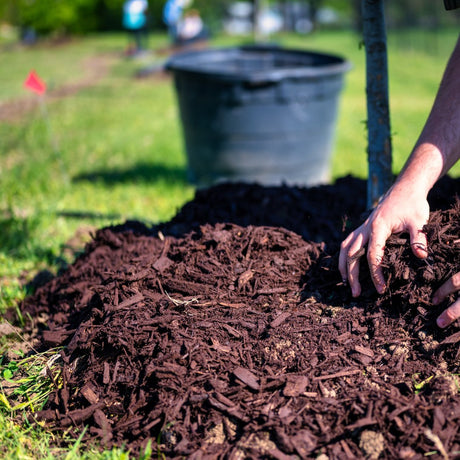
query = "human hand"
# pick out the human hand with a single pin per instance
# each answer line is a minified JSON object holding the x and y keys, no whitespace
{"x":399,"y":211}
{"x":450,"y":314}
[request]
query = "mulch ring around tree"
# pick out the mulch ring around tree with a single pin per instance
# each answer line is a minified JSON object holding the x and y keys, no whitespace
{"x":227,"y":333}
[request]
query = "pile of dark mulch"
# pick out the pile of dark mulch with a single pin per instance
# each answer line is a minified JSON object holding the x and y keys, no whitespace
{"x":228,"y":333}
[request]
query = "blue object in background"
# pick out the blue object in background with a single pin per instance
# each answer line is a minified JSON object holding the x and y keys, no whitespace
{"x":172,"y":12}
{"x":172,"y":15}
{"x":134,"y":14}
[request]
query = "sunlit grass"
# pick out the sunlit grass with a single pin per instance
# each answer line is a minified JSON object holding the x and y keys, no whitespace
{"x":22,"y":441}
{"x":28,"y":381}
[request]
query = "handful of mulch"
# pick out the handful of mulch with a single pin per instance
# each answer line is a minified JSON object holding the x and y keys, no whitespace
{"x":413,"y":281}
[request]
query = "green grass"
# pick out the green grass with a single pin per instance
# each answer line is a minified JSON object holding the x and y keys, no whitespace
{"x":113,"y":150}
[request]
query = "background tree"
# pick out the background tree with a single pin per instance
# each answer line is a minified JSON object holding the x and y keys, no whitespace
{"x":63,"y":17}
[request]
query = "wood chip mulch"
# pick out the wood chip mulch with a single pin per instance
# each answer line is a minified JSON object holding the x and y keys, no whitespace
{"x":227,"y":333}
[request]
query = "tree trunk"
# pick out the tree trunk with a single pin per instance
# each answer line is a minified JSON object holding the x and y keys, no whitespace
{"x":378,"y":113}
{"x":258,"y":6}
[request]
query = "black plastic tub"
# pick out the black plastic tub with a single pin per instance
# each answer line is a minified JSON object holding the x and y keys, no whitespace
{"x":260,"y":114}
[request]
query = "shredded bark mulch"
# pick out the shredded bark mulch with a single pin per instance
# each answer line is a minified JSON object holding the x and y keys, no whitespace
{"x":227,"y":332}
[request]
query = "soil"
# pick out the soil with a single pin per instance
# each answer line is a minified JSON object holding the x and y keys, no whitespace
{"x":228,"y":333}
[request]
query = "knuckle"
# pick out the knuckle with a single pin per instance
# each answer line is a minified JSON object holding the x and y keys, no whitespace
{"x":376,"y":223}
{"x":451,"y":314}
{"x":456,"y":281}
{"x":371,"y":253}
{"x":375,"y":275}
{"x":374,"y":257}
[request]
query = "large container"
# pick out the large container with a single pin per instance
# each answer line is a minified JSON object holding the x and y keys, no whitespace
{"x":260,"y":114}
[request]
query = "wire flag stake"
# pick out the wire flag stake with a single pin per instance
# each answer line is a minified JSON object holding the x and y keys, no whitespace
{"x":36,"y":85}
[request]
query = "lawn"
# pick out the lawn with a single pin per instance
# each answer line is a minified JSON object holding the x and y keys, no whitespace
{"x":106,"y":147}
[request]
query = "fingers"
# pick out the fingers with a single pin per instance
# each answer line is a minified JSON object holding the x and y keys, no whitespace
{"x":353,"y":259}
{"x":449,"y":315}
{"x":449,"y":287}
{"x":375,"y":254}
{"x":351,"y":251}
{"x":343,"y":256}
{"x":418,"y":243}
{"x":452,"y":313}
{"x":353,"y":248}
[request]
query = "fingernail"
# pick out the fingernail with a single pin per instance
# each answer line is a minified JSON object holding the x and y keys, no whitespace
{"x":420,"y":247}
{"x":441,"y":322}
{"x":381,"y":288}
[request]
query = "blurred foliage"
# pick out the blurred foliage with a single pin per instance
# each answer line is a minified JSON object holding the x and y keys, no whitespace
{"x":63,"y":17}
{"x":212,"y":12}
{"x":416,"y":13}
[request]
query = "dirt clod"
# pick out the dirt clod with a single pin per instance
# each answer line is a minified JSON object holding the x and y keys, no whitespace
{"x":372,"y":444}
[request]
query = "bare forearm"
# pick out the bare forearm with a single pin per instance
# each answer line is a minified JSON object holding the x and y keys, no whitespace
{"x":404,"y":208}
{"x":438,"y":146}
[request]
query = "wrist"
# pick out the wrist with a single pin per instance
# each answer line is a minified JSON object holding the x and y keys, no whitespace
{"x":422,"y":170}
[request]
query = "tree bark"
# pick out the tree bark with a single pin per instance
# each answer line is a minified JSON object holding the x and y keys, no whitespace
{"x":378,"y":112}
{"x":258,"y":6}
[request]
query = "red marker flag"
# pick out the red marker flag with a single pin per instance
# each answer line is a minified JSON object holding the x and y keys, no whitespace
{"x":35,"y":83}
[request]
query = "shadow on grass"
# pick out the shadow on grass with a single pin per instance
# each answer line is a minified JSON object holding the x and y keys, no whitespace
{"x":76,"y":214}
{"x":18,"y":238}
{"x":140,"y":173}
